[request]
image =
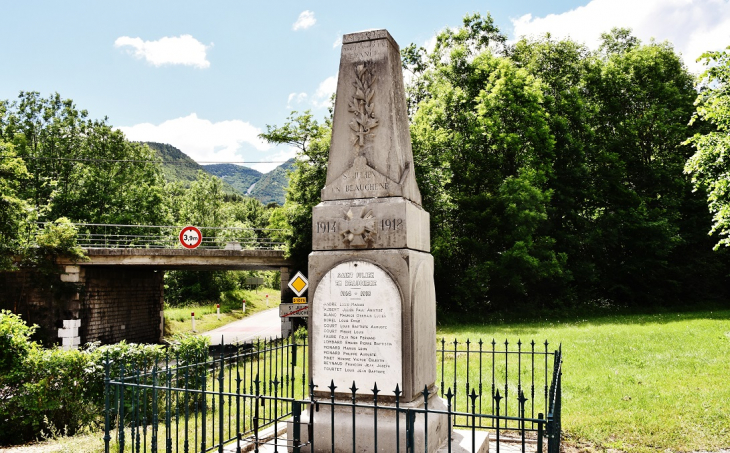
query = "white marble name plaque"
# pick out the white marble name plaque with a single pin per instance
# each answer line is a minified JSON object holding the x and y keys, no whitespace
{"x":356,"y":329}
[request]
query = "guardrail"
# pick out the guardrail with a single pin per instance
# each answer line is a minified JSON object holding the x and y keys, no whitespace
{"x":98,"y":235}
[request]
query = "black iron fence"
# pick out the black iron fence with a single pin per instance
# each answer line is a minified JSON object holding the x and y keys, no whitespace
{"x":249,"y":396}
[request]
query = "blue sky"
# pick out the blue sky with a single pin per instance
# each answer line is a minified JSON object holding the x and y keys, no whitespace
{"x":207,"y":77}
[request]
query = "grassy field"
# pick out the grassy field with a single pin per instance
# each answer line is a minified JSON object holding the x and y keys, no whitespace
{"x":178,"y":319}
{"x":637,"y":383}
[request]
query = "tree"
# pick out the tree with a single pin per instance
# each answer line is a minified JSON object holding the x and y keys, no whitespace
{"x":641,"y":233}
{"x":561,"y":66}
{"x":553,"y":174}
{"x":311,"y":139}
{"x":82,"y":169}
{"x":15,"y":213}
{"x":483,"y":148}
{"x":710,"y":164}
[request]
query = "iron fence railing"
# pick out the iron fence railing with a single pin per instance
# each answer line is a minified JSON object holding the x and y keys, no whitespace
{"x":96,"y":235}
{"x":247,"y":398}
{"x":500,"y":373}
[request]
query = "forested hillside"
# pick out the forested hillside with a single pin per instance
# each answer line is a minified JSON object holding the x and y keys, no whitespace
{"x":239,"y":177}
{"x":177,"y":166}
{"x":272,"y":186}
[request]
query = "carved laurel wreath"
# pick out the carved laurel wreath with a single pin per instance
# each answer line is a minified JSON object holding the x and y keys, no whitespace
{"x":362,"y":106}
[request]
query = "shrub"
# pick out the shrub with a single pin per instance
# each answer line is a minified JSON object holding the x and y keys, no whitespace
{"x":15,"y":345}
{"x":56,"y":390}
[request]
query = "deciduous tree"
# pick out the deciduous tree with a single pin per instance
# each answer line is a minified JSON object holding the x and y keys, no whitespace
{"x":710,"y":165}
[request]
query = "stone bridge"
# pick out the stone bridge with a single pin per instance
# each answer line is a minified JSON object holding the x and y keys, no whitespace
{"x":118,"y":293}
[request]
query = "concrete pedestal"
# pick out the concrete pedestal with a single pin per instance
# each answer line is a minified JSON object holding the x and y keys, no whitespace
{"x":432,"y":430}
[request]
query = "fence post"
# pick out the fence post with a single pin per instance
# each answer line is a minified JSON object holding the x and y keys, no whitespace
{"x":449,"y":395}
{"x":107,"y":427}
{"x":375,"y":414}
{"x":521,"y":398}
{"x":186,"y":401}
{"x":353,"y":389}
{"x":221,"y":400}
{"x":473,"y":397}
{"x":312,"y":405}
{"x":296,"y":414}
{"x":257,"y":403}
{"x":135,"y":409}
{"x":397,"y":417}
{"x":540,"y":433}
{"x":410,"y":424}
{"x":204,"y":424}
{"x":332,"y":388}
{"x":425,"y":417}
{"x":155,"y":417}
{"x":120,"y":413}
{"x":497,"y":399}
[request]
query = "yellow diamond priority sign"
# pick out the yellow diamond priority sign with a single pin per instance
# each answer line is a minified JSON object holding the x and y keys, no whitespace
{"x":298,"y":284}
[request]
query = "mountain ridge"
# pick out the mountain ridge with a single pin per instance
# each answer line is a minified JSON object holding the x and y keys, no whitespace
{"x":266,"y":187}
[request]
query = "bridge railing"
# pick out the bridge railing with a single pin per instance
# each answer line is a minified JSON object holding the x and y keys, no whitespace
{"x":97,"y":235}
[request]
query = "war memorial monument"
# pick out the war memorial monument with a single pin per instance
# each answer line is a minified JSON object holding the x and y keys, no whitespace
{"x":373,"y":309}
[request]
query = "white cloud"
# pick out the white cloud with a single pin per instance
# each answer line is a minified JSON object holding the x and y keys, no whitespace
{"x":692,"y":26}
{"x":203,"y":140}
{"x":338,"y":42}
{"x":305,"y":20}
{"x":170,"y":50}
{"x":324,"y":91}
{"x":320,"y":98}
{"x":295,"y":98}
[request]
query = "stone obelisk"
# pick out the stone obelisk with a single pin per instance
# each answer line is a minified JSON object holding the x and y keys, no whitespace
{"x":373,"y":311}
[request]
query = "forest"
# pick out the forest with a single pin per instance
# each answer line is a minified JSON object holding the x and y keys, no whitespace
{"x":556,"y":177}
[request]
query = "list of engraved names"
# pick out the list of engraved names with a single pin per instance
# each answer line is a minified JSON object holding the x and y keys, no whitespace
{"x":357,"y":330}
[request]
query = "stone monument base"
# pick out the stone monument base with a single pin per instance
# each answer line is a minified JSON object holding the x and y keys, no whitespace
{"x":436,"y":427}
{"x":415,"y":350}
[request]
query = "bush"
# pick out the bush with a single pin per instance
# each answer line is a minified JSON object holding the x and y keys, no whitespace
{"x":54,"y":390}
{"x":15,"y":345}
{"x":56,"y":395}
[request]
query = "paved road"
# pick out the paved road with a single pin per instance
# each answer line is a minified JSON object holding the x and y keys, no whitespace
{"x":264,"y":324}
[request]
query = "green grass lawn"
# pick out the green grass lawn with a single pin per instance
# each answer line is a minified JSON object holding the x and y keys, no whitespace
{"x":178,"y":319}
{"x":636,"y":383}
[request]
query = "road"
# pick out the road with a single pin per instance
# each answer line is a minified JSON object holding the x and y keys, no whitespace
{"x":264,"y":324}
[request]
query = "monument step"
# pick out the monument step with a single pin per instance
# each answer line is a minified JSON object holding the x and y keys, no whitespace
{"x":460,"y":443}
